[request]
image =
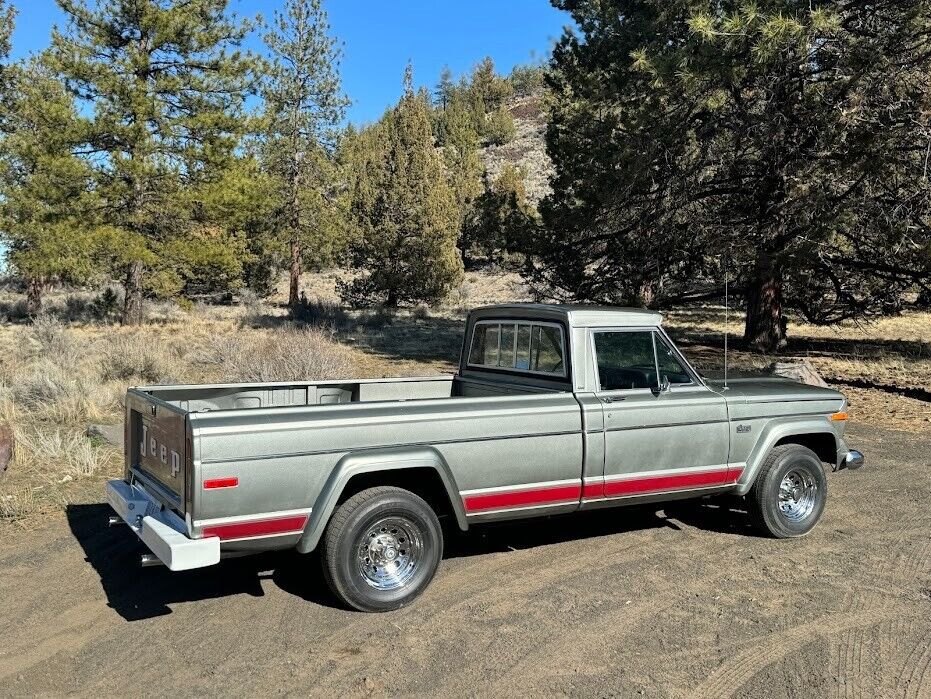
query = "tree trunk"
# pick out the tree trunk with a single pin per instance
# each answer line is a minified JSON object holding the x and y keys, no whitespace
{"x":294,"y":297}
{"x":34,"y":288}
{"x":392,"y":300}
{"x":765,"y":329}
{"x":132,"y":304}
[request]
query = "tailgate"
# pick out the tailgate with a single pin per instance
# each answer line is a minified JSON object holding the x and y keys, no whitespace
{"x":156,"y":444}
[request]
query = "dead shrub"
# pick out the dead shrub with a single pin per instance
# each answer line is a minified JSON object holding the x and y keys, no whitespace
{"x":135,"y":358}
{"x":69,"y":453}
{"x":50,"y":340}
{"x":297,"y":354}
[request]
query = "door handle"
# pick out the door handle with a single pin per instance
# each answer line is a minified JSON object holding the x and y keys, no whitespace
{"x":610,"y":399}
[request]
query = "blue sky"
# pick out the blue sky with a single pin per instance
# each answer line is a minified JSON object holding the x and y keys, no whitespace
{"x":380,"y":36}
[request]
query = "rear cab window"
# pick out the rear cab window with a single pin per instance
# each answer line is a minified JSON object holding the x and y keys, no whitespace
{"x":529,"y":347}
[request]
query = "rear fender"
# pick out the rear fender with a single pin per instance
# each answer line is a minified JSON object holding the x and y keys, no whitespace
{"x":775,"y":431}
{"x":382,"y":460}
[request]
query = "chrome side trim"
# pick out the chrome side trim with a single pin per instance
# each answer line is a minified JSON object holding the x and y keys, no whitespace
{"x":521,"y":486}
{"x":659,"y":425}
{"x":659,"y":473}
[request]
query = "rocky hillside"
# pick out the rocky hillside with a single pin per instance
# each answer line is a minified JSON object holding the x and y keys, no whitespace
{"x":527,"y":150}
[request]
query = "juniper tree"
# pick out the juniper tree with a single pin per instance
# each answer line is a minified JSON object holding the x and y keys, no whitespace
{"x":165,"y":82}
{"x":404,"y":208}
{"x":789,"y":138}
{"x":502,"y":220}
{"x":304,"y":104}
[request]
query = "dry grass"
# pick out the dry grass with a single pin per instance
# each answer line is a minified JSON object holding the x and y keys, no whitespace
{"x":882,"y":366}
{"x":59,"y":375}
{"x":57,"y":378}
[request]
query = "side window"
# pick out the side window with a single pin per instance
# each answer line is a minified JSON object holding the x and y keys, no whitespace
{"x":524,"y":346}
{"x":669,"y":366}
{"x":625,"y":360}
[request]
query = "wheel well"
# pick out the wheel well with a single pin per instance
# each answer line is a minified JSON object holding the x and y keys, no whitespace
{"x":423,"y":481}
{"x":824,"y":444}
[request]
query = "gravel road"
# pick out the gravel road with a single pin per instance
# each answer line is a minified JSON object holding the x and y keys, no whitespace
{"x":681,"y":602}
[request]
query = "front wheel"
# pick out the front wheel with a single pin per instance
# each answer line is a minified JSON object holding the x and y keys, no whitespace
{"x":381,"y":549}
{"x":790,"y":492}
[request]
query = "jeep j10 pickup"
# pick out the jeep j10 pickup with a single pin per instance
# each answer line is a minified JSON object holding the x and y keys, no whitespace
{"x":554,"y":409}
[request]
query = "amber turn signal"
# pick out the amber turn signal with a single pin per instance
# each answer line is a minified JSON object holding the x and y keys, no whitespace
{"x":839,"y":416}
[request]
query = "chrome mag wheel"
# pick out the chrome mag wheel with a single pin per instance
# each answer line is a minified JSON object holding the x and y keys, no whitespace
{"x":390,"y":553}
{"x":798,"y":495}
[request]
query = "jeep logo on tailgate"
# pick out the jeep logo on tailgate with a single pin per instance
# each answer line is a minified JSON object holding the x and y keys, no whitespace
{"x":149,"y":446}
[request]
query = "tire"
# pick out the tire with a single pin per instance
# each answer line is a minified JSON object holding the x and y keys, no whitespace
{"x":789,"y":493}
{"x":381,"y":549}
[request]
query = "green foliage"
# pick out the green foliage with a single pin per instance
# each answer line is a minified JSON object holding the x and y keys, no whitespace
{"x":304,"y":104}
{"x":240,"y":199}
{"x":47,"y":205}
{"x":404,"y":208}
{"x":167,"y":84}
{"x":527,"y":80}
{"x":502,"y":222}
{"x":7,"y":20}
{"x":500,"y":127}
{"x":786,"y":139}
{"x":478,"y":101}
{"x":464,"y":166}
{"x":208,"y":260}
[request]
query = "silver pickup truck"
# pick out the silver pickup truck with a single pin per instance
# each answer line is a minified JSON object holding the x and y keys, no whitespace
{"x":554,"y":409}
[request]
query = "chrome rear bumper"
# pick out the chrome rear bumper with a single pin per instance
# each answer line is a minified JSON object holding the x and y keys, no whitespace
{"x":161,"y":530}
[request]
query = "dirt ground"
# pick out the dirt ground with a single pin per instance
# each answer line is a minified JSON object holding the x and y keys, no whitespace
{"x":682,"y":602}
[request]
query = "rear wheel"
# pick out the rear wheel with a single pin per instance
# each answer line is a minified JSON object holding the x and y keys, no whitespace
{"x":381,"y":549}
{"x":790,"y":492}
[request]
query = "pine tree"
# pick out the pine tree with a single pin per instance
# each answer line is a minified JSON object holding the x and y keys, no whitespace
{"x":47,"y":203}
{"x":166,"y":83}
{"x":304,"y":103}
{"x":445,"y":89}
{"x":788,"y":139}
{"x":404,"y":208}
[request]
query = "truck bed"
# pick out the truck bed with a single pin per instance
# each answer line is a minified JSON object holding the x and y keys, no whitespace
{"x":282,"y":440}
{"x":201,"y":397}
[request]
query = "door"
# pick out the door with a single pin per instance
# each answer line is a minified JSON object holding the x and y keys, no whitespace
{"x":664,"y":431}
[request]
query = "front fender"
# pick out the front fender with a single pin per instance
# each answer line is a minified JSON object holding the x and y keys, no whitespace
{"x":775,"y":431}
{"x":357,"y":463}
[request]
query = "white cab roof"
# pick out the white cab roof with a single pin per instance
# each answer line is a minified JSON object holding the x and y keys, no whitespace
{"x":577,"y":316}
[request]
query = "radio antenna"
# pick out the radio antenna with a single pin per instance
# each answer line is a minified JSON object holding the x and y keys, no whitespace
{"x":726,"y":321}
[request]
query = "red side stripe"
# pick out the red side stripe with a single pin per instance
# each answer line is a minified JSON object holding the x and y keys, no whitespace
{"x":594,"y":490}
{"x":636,"y":486}
{"x":522,"y":498}
{"x":220,"y":483}
{"x":261,"y":527}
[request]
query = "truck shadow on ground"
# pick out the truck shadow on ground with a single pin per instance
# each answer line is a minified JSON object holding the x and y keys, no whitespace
{"x":137,"y":593}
